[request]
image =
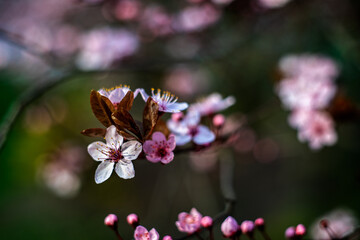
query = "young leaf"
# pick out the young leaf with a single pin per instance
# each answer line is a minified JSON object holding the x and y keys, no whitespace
{"x":150,"y":117}
{"x":125,"y":122}
{"x":127,"y":101}
{"x":94,"y":132}
{"x":102,"y":108}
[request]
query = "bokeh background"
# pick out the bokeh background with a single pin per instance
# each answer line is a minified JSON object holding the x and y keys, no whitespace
{"x":47,"y":188}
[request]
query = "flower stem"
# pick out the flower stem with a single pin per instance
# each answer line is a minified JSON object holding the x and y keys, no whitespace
{"x":265,"y":235}
{"x":118,"y":235}
{"x":211,"y":233}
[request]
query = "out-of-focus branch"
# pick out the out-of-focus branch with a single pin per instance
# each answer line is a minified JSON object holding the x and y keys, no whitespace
{"x":30,"y":47}
{"x":226,"y":176}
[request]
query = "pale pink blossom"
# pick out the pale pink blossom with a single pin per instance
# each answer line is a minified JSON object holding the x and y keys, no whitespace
{"x":340,"y":223}
{"x":115,"y":95}
{"x":299,"y":117}
{"x":212,"y":104}
{"x":189,"y":222}
{"x":156,"y":20}
{"x":300,"y":230}
{"x":166,"y":101}
{"x":247,"y":227}
{"x":290,"y":233}
{"x":116,"y":154}
{"x":318,"y":131}
{"x":260,"y":223}
{"x":229,"y":227}
{"x":159,"y":149}
{"x":197,"y":18}
{"x":304,"y":92}
{"x":189,"y":129}
{"x":100,"y":48}
{"x":206,"y":222}
{"x":218,"y":120}
{"x":127,"y":10}
{"x":142,"y":233}
{"x":167,"y":237}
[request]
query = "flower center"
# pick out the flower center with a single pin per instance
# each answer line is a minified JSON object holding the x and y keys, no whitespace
{"x":193,"y":131}
{"x":189,"y":219}
{"x":162,"y":152}
{"x":114,"y":155}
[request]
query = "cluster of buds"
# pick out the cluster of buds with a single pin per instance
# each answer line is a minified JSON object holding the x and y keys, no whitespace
{"x":295,"y":233}
{"x":231,"y":229}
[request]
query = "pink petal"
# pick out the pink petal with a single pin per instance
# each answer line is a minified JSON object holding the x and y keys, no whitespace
{"x":150,"y":147}
{"x":204,"y":136}
{"x":141,"y":233}
{"x":158,"y":137}
{"x":168,"y":158}
{"x":153,"y":158}
{"x":116,"y":95}
{"x":154,"y":235}
{"x":171,"y":143}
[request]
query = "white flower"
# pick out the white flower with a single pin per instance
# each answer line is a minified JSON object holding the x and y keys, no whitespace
{"x":212,"y":104}
{"x":166,"y":101}
{"x":115,"y":95}
{"x":114,"y":153}
{"x":189,"y":129}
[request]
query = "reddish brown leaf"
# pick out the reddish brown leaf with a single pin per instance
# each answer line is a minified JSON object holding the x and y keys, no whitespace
{"x":161,"y":127}
{"x":94,"y":132}
{"x":102,"y":108}
{"x":125,"y":122}
{"x":150,"y":117}
{"x":127,"y":101}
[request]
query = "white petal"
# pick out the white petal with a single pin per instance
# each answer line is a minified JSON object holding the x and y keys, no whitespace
{"x":182,"y":139}
{"x":125,"y":170}
{"x":143,"y":93}
{"x":97,"y":151}
{"x":204,"y":136}
{"x":176,"y":107}
{"x":154,"y":235}
{"x":113,"y":139}
{"x":192,"y":118}
{"x":131,"y":150}
{"x":177,"y":127}
{"x":103,"y":171}
{"x":104,"y":93}
{"x":116,"y":95}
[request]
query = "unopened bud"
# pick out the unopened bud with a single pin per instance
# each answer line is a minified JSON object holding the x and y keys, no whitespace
{"x":167,"y":237}
{"x":229,"y":227}
{"x":133,"y":220}
{"x":176,"y":117}
{"x":290,"y":233}
{"x":206,"y":222}
{"x":218,"y":120}
{"x":300,"y":230}
{"x":247,"y":227}
{"x":260,"y":224}
{"x":111,"y":220}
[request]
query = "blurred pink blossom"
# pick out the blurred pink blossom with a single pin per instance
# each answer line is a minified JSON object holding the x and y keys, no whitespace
{"x":111,"y":220}
{"x":206,"y":222}
{"x":142,"y":233}
{"x":189,"y":222}
{"x":212,"y":104}
{"x":273,"y":3}
{"x":156,"y":21}
{"x":159,"y":149}
{"x":318,"y":131}
{"x":340,"y":223}
{"x":126,"y":10}
{"x":247,"y":227}
{"x":100,"y":48}
{"x":115,"y":95}
{"x":196,"y":18}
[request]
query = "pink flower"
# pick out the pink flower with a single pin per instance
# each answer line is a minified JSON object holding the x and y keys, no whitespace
{"x":212,"y":104}
{"x":247,"y":227}
{"x":166,"y":101}
{"x":318,"y":131}
{"x":229,"y":227}
{"x":206,"y":222}
{"x":167,"y":237}
{"x":300,"y":230}
{"x":142,"y":233}
{"x":189,"y":222}
{"x":290,"y":233}
{"x":260,"y":223}
{"x":115,"y":95}
{"x":188,"y":129}
{"x":132,"y":219}
{"x":159,"y":149}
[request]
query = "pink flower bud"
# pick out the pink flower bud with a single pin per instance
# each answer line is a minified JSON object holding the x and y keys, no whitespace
{"x":176,"y":117}
{"x":260,"y":223}
{"x":247,"y":227}
{"x":229,"y":227}
{"x":206,"y":222}
{"x":300,"y":230}
{"x":290,"y":233}
{"x":111,"y":220}
{"x":218,"y":120}
{"x":167,"y":237}
{"x":132,"y":219}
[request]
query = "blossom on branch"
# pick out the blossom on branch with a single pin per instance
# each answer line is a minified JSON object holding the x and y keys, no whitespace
{"x":167,"y":102}
{"x":159,"y":149}
{"x":115,"y":95}
{"x":116,"y":154}
{"x":189,"y":222}
{"x":189,"y":128}
{"x":212,"y":104}
{"x":142,"y":233}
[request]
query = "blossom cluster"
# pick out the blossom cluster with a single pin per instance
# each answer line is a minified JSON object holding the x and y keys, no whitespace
{"x":307,"y":89}
{"x":127,"y":139}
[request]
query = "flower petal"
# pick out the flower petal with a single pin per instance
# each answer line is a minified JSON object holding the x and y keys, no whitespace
{"x":125,"y":170}
{"x":158,"y":137}
{"x":182,"y":139}
{"x":104,"y":93}
{"x":171,"y":143}
{"x":103,"y":171}
{"x":192,"y":118}
{"x":167,"y":158}
{"x":116,"y":95}
{"x":98,"y":150}
{"x":140,"y":233}
{"x":176,"y":107}
{"x":113,"y":139}
{"x":142,"y":92}
{"x":153,"y":158}
{"x":150,"y":147}
{"x":204,"y":136}
{"x":131,"y":150}
{"x":154,"y":235}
